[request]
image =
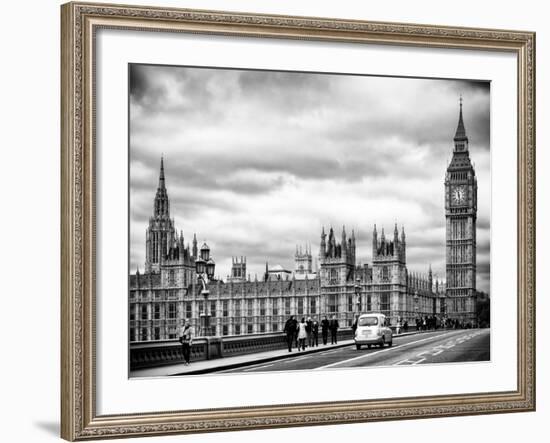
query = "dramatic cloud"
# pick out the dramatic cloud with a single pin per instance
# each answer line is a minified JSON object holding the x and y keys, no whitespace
{"x":257,"y":162}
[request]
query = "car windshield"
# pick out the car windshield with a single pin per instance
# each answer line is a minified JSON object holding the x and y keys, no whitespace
{"x":368,"y":321}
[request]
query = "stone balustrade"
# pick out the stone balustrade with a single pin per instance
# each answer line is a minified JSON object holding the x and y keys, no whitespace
{"x":167,"y":352}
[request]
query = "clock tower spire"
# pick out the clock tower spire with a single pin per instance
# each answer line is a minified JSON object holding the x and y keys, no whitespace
{"x":460,"y":218}
{"x":460,"y":139}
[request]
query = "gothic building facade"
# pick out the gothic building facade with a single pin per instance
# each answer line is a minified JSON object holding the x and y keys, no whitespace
{"x":168,"y":293}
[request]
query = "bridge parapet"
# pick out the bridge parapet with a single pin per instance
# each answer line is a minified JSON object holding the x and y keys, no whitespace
{"x":168,"y":352}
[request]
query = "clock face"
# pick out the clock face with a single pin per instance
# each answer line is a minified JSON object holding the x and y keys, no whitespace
{"x":458,"y":195}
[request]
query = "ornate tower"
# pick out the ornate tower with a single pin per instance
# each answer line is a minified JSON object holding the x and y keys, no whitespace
{"x":337,"y":260}
{"x":303,"y":261}
{"x":460,"y":216}
{"x":160,"y":234}
{"x":389,"y":256}
{"x":238,"y":269}
{"x":389,"y":273}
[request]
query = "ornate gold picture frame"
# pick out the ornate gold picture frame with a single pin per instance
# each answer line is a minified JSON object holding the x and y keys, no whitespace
{"x":79,"y":417}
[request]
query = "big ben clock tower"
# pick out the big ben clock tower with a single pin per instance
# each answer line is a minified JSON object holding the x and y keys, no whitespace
{"x":460,"y":217}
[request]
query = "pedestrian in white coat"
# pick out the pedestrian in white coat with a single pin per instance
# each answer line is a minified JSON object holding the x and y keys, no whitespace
{"x":302,"y":334}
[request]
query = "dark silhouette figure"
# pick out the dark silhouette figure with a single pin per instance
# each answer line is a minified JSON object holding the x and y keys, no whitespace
{"x":325,"y":324}
{"x":290,"y":331}
{"x":334,"y":330}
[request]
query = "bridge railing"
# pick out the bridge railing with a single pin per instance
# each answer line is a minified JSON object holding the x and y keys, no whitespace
{"x":167,"y":352}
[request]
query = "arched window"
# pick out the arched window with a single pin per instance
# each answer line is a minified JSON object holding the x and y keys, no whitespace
{"x":172,"y":277}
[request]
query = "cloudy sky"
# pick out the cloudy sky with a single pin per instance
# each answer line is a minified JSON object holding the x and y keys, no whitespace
{"x":257,"y":161}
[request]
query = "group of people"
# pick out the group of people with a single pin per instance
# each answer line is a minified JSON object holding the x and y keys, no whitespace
{"x":451,"y":323}
{"x":432,"y":322}
{"x":427,"y":323}
{"x":306,"y":333}
{"x":302,"y":334}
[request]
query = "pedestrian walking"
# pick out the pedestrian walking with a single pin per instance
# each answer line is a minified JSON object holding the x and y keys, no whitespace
{"x":309,"y":330}
{"x":354,"y":326}
{"x":324,"y":329}
{"x":334,"y":330}
{"x":315,"y":333}
{"x":302,"y":334}
{"x":186,"y":340}
{"x":290,"y":331}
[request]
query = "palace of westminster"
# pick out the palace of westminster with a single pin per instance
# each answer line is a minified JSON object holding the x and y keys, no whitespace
{"x":168,"y":291}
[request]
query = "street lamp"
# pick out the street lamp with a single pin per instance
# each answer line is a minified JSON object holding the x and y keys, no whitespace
{"x":205,"y":266}
{"x":358,"y":295}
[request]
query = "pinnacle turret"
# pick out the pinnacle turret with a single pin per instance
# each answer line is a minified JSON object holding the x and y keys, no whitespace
{"x":195,"y":248}
{"x":344,"y":241}
{"x":162,"y":184}
{"x":323,"y":244}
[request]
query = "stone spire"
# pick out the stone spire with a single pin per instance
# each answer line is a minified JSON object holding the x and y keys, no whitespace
{"x":323,"y":245}
{"x":374,"y":241}
{"x":181,"y":242}
{"x":162,"y":205}
{"x":460,"y":138}
{"x":344,"y":241}
{"x":460,"y":130}
{"x":195,"y":249}
{"x":162,"y":185}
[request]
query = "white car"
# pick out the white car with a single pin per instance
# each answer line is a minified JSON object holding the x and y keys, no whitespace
{"x":371,"y":330}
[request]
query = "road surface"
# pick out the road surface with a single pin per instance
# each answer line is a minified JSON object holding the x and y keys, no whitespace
{"x":441,"y":346}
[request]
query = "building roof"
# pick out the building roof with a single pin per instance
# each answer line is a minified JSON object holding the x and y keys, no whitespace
{"x":309,"y":276}
{"x":278,"y":268}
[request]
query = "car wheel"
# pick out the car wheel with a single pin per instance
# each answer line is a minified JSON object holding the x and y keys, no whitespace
{"x":358,"y":347}
{"x":390,"y":344}
{"x":383,"y":342}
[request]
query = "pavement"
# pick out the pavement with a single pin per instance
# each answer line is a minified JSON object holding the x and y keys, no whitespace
{"x":241,"y":362}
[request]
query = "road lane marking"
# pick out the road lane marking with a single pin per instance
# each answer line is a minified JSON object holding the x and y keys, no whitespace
{"x":365,"y":356}
{"x":318,"y":353}
{"x":285,"y":361}
{"x":258,"y":367}
{"x":291,"y":360}
{"x":436,"y":350}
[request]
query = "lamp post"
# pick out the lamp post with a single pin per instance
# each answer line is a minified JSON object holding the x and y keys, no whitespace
{"x":358,"y":295}
{"x":416,"y":308}
{"x":205,"y":266}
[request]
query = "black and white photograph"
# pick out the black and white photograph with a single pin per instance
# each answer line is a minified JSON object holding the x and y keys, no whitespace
{"x":285,"y":221}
